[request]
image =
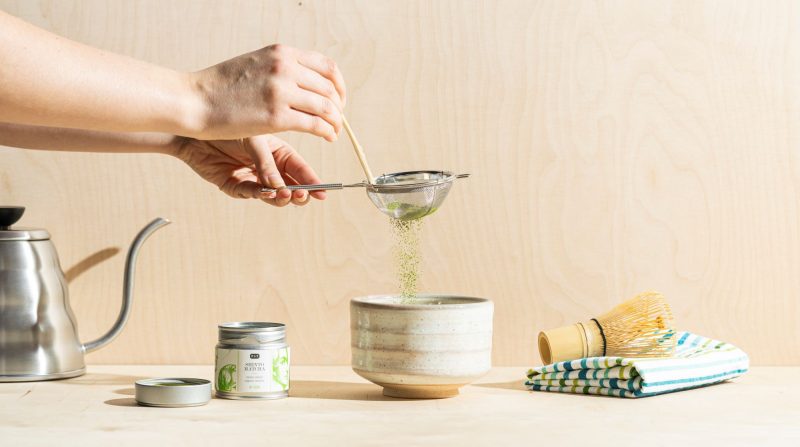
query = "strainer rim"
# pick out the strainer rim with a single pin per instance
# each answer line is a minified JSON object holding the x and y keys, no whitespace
{"x":447,"y":177}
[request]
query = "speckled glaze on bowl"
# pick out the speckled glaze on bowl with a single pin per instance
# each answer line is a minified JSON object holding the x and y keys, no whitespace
{"x":427,"y":349}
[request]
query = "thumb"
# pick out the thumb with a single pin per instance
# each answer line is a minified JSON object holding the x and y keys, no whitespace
{"x":267,"y":170}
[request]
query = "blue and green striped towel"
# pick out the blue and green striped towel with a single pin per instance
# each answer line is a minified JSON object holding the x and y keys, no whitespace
{"x":698,"y":361}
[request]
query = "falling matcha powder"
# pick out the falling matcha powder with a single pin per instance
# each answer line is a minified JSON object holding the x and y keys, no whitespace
{"x":407,"y":255}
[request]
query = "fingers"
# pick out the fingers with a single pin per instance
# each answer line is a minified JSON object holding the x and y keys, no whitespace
{"x":267,"y":170}
{"x":243,"y":189}
{"x":247,"y":189}
{"x":278,"y":164}
{"x":300,"y":198}
{"x":325,"y":67}
{"x":292,"y":119}
{"x":314,"y":82}
{"x":317,"y":105}
{"x":307,"y":83}
{"x":297,"y":171}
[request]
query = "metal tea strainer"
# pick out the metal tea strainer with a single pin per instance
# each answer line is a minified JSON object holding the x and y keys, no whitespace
{"x":401,"y":195}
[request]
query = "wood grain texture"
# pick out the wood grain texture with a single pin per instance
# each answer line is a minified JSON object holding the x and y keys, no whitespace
{"x":615,"y":147}
{"x":332,"y":406}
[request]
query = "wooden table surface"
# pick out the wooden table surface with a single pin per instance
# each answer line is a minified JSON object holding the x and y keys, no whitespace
{"x":333,"y":406}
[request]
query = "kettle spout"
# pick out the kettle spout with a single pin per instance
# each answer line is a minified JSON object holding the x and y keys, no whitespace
{"x":127,"y":291}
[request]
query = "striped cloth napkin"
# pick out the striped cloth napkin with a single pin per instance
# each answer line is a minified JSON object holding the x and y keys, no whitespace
{"x":698,"y":361}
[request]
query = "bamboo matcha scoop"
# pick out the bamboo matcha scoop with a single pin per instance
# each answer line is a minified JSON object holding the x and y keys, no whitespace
{"x":362,"y":158}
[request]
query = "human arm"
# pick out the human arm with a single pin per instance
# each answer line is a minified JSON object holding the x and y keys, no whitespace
{"x":79,"y":140}
{"x":239,"y":168}
{"x":48,"y":80}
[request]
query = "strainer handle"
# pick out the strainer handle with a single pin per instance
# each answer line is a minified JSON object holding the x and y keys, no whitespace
{"x":319,"y":187}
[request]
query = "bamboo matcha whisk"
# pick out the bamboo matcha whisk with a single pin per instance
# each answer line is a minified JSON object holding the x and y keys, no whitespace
{"x":639,"y":327}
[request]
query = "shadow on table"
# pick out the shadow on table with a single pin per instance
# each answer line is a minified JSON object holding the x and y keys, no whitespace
{"x":307,"y":389}
{"x":126,"y":391}
{"x":317,"y":389}
{"x":515,"y":385}
{"x":122,"y":402}
{"x":103,"y":379}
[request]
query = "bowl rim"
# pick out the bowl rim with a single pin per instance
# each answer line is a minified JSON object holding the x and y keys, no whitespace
{"x":370,"y":301}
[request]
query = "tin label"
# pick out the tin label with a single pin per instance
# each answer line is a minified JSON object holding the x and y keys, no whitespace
{"x":252,"y":371}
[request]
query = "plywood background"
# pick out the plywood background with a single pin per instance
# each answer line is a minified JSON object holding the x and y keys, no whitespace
{"x":614,"y":146}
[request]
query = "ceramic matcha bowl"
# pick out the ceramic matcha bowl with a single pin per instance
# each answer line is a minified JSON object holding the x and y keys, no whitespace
{"x":428,"y":348}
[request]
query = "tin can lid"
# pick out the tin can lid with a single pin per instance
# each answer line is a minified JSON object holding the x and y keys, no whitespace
{"x":251,"y":332}
{"x":173,"y":392}
{"x":253,"y":326}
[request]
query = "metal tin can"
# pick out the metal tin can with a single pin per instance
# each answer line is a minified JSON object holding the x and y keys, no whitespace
{"x":252,"y":361}
{"x":173,"y":392}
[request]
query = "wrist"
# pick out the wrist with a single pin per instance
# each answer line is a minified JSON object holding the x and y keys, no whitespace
{"x":192,"y":115}
{"x":174,"y":146}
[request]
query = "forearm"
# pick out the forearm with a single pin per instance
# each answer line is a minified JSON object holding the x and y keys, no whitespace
{"x":48,"y":80}
{"x":63,"y":139}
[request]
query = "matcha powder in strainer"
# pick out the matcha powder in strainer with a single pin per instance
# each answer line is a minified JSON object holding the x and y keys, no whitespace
{"x":407,"y":255}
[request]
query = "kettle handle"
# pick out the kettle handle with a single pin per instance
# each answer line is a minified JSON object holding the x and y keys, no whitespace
{"x":127,"y":288}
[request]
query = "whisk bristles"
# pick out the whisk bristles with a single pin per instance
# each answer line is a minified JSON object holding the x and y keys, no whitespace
{"x":640,"y":327}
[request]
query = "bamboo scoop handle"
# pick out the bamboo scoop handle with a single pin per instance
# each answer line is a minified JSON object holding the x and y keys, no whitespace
{"x":359,"y":151}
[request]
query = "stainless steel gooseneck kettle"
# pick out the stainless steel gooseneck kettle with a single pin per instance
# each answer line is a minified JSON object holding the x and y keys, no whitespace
{"x":38,"y":332}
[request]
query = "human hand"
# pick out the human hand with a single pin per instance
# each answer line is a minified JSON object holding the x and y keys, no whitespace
{"x":240,"y":168}
{"x":274,"y":89}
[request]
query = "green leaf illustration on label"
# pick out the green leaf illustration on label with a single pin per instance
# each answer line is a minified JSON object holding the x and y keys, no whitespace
{"x":226,"y":378}
{"x":280,"y":369}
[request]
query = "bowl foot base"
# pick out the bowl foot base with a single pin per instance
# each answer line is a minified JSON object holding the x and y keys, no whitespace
{"x":420,"y":391}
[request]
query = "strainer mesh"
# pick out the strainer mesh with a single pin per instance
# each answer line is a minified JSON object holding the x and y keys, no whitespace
{"x":410,"y":195}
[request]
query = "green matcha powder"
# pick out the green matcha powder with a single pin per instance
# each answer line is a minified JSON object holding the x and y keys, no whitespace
{"x":407,"y":256}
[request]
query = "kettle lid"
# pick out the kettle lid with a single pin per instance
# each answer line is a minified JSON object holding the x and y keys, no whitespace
{"x":9,"y":215}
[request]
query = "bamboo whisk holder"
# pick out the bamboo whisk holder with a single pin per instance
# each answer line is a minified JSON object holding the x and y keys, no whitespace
{"x":571,"y":342}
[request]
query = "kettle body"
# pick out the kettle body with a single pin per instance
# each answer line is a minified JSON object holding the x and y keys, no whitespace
{"x":38,"y":331}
